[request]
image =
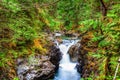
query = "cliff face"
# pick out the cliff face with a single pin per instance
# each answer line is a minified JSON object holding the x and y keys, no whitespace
{"x":55,"y":56}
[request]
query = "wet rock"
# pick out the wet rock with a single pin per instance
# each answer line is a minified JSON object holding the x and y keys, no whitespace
{"x":74,"y":52}
{"x":86,"y":64}
{"x":79,"y":67}
{"x":55,"y":56}
{"x":78,"y":53}
{"x":35,"y":68}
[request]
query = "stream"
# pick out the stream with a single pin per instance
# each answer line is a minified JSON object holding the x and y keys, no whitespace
{"x":67,"y":69}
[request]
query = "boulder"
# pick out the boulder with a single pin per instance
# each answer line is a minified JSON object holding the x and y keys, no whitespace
{"x":74,"y":52}
{"x":35,"y":68}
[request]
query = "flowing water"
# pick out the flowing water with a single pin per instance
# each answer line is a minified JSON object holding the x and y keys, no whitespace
{"x":67,"y":69}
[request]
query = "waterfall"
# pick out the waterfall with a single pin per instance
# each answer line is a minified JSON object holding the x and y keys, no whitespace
{"x":67,"y":69}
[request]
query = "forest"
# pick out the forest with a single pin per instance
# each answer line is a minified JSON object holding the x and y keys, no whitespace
{"x":29,"y":29}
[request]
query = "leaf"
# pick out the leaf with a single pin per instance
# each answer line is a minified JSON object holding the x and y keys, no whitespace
{"x":97,"y":38}
{"x":97,"y":55}
{"x":104,"y":43}
{"x":16,"y":78}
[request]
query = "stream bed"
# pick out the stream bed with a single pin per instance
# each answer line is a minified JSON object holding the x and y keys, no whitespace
{"x":67,"y":69}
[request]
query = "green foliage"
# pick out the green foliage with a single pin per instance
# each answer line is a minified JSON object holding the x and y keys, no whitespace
{"x":21,"y":22}
{"x":22,"y":28}
{"x":3,"y":60}
{"x":72,"y":12}
{"x":16,"y":78}
{"x":96,"y":55}
{"x":105,"y":34}
{"x":11,"y":5}
{"x":26,"y":20}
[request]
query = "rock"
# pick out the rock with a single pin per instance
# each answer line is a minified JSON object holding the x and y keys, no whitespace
{"x":79,"y":68}
{"x":59,"y":40}
{"x":55,"y":56}
{"x":70,"y":34}
{"x":58,"y":34}
{"x":39,"y":67}
{"x":78,"y":53}
{"x":57,"y":37}
{"x":74,"y":52}
{"x":86,"y":63}
{"x":35,"y":68}
{"x":50,"y":37}
{"x":47,"y":71}
{"x":20,"y":61}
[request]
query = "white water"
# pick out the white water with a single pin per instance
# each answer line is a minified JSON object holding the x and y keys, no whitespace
{"x":67,"y":69}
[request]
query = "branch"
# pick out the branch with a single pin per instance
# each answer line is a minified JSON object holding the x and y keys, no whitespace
{"x":116,"y":69}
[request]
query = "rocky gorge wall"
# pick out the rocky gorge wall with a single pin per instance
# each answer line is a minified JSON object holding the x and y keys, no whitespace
{"x":86,"y":64}
{"x":39,"y":67}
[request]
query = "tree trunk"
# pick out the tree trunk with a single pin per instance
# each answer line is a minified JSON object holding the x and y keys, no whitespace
{"x":104,"y":8}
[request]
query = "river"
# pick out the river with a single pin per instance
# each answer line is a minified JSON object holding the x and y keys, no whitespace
{"x":67,"y":69}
